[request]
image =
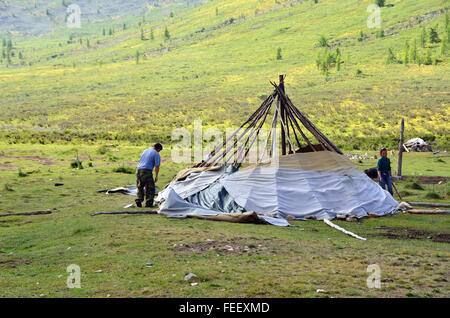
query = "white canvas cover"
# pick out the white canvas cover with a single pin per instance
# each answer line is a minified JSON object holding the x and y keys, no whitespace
{"x":319,"y":185}
{"x":316,"y":184}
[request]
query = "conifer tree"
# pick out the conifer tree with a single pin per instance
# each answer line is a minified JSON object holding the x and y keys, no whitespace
{"x":279,"y":57}
{"x":166,"y":34}
{"x":423,"y":37}
{"x":433,"y":36}
{"x":391,"y":59}
{"x":413,"y":52}
{"x":137,"y":57}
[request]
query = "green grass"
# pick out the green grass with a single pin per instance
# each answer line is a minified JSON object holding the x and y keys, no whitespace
{"x":95,"y":103}
{"x":279,"y":262}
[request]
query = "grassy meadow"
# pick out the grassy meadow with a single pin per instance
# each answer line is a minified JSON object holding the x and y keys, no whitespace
{"x":215,"y":65}
{"x":133,"y":73}
{"x":230,"y":260}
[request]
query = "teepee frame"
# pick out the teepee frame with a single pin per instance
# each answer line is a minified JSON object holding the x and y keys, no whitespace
{"x":291,"y":119}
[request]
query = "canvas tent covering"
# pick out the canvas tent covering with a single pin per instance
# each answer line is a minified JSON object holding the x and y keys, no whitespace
{"x":311,"y":179}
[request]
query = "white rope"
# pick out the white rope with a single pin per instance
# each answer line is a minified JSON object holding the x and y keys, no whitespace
{"x":328,"y":222}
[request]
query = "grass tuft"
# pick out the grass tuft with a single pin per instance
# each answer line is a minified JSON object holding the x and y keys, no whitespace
{"x":414,"y":185}
{"x":433,"y":195}
{"x":124,"y":169}
{"x":21,"y":174}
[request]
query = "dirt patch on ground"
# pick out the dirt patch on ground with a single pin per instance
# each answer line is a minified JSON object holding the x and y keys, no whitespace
{"x":403,"y":233}
{"x":7,"y":167}
{"x":428,"y":180}
{"x":13,"y":263}
{"x":234,"y":246}
{"x":42,"y":160}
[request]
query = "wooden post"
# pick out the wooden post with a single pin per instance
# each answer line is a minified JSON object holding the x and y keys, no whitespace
{"x":283,"y":117}
{"x":400,"y":149}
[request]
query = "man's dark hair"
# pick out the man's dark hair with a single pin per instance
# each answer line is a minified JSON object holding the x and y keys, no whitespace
{"x":158,"y":146}
{"x":382,"y":149}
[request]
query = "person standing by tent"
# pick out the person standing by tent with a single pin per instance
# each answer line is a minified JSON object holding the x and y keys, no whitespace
{"x":150,"y":159}
{"x":384,"y":171}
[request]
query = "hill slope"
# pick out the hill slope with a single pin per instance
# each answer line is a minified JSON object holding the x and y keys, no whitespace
{"x":214,"y":63}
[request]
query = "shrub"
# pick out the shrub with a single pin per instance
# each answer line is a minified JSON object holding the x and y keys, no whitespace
{"x":433,"y":36}
{"x":166,"y":34}
{"x":124,"y":169}
{"x":112,"y":158}
{"x":323,"y":42}
{"x":380,"y":3}
{"x":414,"y":185}
{"x":379,"y":34}
{"x":279,"y":57}
{"x":103,"y":150}
{"x":21,"y":174}
{"x":405,"y":193}
{"x":432,"y":195}
{"x":76,"y":164}
{"x":391,"y":59}
{"x":361,"y":36}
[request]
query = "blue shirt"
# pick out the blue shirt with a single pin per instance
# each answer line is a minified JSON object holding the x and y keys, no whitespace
{"x":384,"y":165}
{"x":149,"y":159}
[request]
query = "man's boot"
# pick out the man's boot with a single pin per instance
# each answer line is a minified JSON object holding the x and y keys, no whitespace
{"x":138,"y":204}
{"x":149,"y":204}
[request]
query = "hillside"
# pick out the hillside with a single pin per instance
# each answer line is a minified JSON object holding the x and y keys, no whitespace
{"x":37,"y":17}
{"x":137,"y":82}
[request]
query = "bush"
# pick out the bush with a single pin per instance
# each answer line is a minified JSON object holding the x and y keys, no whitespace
{"x":124,"y":169}
{"x":391,"y":59}
{"x":433,"y":195}
{"x":103,"y":150}
{"x":405,"y":193}
{"x":414,"y":185}
{"x":323,"y":42}
{"x":21,"y":174}
{"x":380,"y":3}
{"x":279,"y":57}
{"x":76,"y":164}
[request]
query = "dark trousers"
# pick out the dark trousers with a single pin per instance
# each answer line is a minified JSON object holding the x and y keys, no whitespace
{"x":146,"y":186}
{"x":386,"y":181}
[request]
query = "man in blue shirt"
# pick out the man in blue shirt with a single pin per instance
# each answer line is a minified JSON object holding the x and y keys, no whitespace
{"x":150,"y":160}
{"x":384,"y":171}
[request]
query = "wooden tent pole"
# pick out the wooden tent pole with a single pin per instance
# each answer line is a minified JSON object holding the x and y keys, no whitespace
{"x":284,"y":132}
{"x":225,"y":152}
{"x":282,"y":116}
{"x":295,"y":133}
{"x":313,"y":129}
{"x":400,"y":148}
{"x":295,"y":121}
{"x":254,"y":138}
{"x":267,"y":142}
{"x":219,"y":150}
